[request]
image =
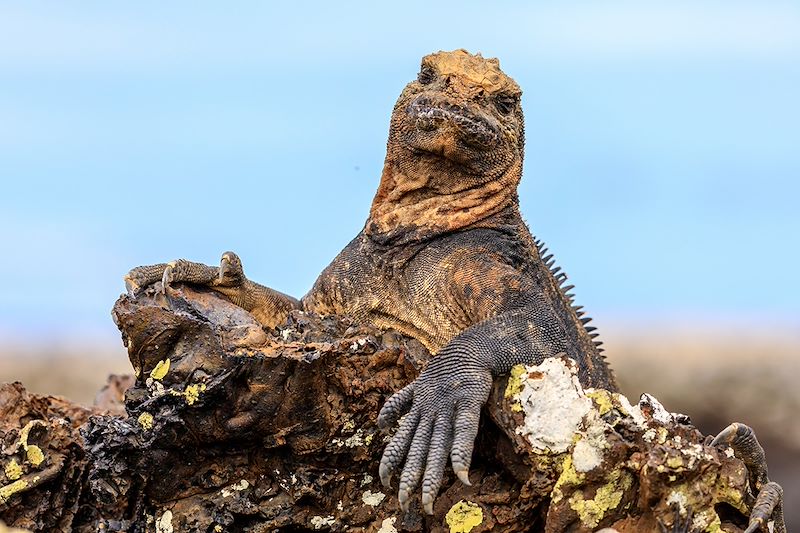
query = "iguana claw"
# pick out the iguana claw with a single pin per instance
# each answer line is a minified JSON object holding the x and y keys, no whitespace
{"x":403,"y":496}
{"x":463,"y":476}
{"x":168,"y":276}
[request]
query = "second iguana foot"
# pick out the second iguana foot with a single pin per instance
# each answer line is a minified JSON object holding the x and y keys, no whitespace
{"x":769,"y":501}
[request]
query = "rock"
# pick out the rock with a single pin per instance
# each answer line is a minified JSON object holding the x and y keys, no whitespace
{"x":232,"y":428}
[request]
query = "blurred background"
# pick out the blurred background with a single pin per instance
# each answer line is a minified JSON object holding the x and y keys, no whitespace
{"x":662,"y":166}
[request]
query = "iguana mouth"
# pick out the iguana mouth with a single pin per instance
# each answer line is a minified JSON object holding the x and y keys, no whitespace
{"x":432,"y":117}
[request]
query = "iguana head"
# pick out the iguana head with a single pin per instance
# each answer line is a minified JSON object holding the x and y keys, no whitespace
{"x":454,"y":155}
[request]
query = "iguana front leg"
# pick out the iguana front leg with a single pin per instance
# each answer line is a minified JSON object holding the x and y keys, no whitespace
{"x":443,"y":404}
{"x":268,"y":306}
{"x":769,"y":502}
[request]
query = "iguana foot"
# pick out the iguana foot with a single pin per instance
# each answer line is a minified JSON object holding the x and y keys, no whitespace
{"x":769,"y":502}
{"x":182,"y":270}
{"x":443,"y":409}
{"x":176,"y":271}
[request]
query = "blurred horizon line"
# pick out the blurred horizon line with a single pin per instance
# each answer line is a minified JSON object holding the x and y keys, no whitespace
{"x":616,"y":324}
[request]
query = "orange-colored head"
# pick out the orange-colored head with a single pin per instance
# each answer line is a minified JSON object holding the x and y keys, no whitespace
{"x":462,"y":113}
{"x":455,"y":148}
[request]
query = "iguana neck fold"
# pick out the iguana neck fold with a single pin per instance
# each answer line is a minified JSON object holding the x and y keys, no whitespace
{"x":409,"y":209}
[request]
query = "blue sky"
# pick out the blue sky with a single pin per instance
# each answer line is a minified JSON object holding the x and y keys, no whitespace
{"x":662,"y":161}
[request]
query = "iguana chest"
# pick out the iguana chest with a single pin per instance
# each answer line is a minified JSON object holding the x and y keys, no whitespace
{"x":415,"y":298}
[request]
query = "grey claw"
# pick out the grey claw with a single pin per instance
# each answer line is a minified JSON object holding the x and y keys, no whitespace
{"x":404,"y":499}
{"x":167,"y":277}
{"x":427,"y":503}
{"x":385,"y":474}
{"x":754,"y":526}
{"x":131,"y":287}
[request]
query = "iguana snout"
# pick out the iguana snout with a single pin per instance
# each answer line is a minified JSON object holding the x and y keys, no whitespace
{"x":441,"y":124}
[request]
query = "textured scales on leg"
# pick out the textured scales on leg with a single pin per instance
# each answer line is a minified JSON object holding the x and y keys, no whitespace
{"x":268,"y":306}
{"x":446,"y":258}
{"x":769,"y":501}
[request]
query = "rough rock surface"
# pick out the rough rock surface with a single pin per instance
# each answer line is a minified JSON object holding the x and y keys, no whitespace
{"x":231,"y":428}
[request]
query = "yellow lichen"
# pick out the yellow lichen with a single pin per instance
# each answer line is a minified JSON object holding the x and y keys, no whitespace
{"x":464,"y":516}
{"x":192,"y":393}
{"x":607,"y":497}
{"x":730,"y":493}
{"x":7,"y":491}
{"x":515,"y":385}
{"x":13,"y":470}
{"x":569,"y":476}
{"x":160,"y":370}
{"x":34,"y":454}
{"x":715,"y":526}
{"x":218,"y":528}
{"x":146,"y":421}
{"x":602,"y":398}
{"x":675,"y":462}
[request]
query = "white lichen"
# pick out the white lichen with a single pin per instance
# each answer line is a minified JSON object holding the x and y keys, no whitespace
{"x":227,"y":492}
{"x":588,"y":451}
{"x":553,"y":404}
{"x":164,"y":524}
{"x":355,"y":440}
{"x":657,"y":412}
{"x":321,"y":521}
{"x":630,"y":410}
{"x":373,"y":499}
{"x":387,"y":526}
{"x":679,"y":499}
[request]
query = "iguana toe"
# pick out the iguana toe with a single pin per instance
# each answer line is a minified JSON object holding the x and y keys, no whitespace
{"x":436,"y":462}
{"x":231,"y":271}
{"x":139,"y":278}
{"x":416,"y":457}
{"x":396,"y":406}
{"x":742,"y":439}
{"x":132,"y":286}
{"x":168,"y":276}
{"x":768,"y":506}
{"x":465,"y":430}
{"x":396,"y":450}
{"x":769,"y":502}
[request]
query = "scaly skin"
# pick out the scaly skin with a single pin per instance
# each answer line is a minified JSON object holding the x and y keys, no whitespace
{"x":444,"y":257}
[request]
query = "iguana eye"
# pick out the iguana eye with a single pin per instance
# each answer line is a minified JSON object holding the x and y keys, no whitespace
{"x":505,"y":103}
{"x":426,"y":75}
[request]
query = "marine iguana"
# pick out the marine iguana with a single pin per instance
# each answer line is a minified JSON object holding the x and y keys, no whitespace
{"x":446,"y":257}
